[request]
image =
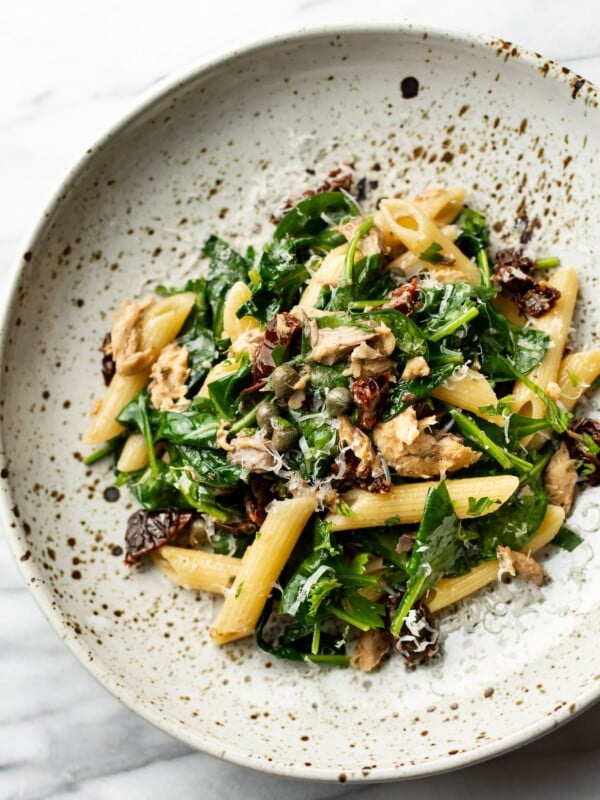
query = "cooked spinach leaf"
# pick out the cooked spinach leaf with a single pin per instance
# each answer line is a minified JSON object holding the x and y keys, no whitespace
{"x":436,"y":551}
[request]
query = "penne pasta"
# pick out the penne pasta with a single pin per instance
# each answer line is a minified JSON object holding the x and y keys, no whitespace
{"x":160,"y":325}
{"x":506,"y":307}
{"x":197,"y":569}
{"x":407,"y":224}
{"x":451,"y":590}
{"x":471,"y":391}
{"x":407,"y":501}
{"x":234,"y":326}
{"x":302,"y":403}
{"x":260,"y":568}
{"x":134,"y":454}
{"x":576,"y":374}
{"x":442,"y":205}
{"x":556,"y":324}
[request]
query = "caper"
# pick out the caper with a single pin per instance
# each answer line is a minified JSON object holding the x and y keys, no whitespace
{"x":198,"y":536}
{"x":265,"y":414}
{"x":283,"y":380}
{"x":284,"y":436}
{"x":338,"y":401}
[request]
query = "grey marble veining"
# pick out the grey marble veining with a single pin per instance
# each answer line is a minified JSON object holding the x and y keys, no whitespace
{"x":69,"y":71}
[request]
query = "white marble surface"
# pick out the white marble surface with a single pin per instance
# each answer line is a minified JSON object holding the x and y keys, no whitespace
{"x":69,"y":69}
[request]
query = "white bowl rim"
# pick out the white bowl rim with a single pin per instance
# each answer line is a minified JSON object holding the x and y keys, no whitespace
{"x":9,"y":523}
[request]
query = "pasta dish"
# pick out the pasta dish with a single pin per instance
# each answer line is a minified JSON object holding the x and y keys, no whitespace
{"x":352,"y":429}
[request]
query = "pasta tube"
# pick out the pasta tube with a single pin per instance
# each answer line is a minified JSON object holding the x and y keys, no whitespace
{"x":470,"y":391}
{"x":451,"y":590}
{"x":407,"y":501}
{"x":234,"y":326}
{"x":134,"y":454}
{"x":197,"y":569}
{"x":577,"y":372}
{"x":442,"y":205}
{"x":260,"y":568}
{"x":556,"y":324}
{"x":407,"y":224}
{"x":160,"y":325}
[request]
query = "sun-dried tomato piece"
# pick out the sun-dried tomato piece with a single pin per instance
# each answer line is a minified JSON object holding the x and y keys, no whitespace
{"x":512,"y":273}
{"x":148,"y":530}
{"x":405,"y":298}
{"x":349,"y":479}
{"x":577,"y":441}
{"x":108,"y":363}
{"x":281,"y":331}
{"x":369,"y":396}
{"x":259,"y":496}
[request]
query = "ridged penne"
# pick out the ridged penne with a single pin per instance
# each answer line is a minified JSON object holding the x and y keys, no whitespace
{"x":576,"y":374}
{"x":134,"y":455}
{"x":234,"y":326}
{"x":442,"y":205}
{"x":197,"y":569}
{"x":260,"y":568}
{"x":556,"y":324}
{"x":471,"y":391}
{"x":407,"y":501}
{"x":451,"y":590}
{"x":404,"y":222}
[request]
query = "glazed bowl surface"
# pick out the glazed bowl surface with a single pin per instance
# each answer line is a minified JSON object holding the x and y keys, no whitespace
{"x":209,"y":152}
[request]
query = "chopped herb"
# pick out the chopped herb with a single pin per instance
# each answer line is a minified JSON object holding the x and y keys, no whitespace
{"x":433,"y":254}
{"x":478,"y":505}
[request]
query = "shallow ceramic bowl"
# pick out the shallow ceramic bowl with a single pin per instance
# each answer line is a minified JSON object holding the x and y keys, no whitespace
{"x":208,"y":152}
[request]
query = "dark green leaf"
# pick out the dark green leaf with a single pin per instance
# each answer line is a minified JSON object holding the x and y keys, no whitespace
{"x":477,"y":505}
{"x":205,"y":466}
{"x":225,"y":267}
{"x":136,"y":416}
{"x":406,"y":392}
{"x":433,"y":254}
{"x":225,"y":392}
{"x":313,"y":215}
{"x":473,"y":235}
{"x":435,"y":552}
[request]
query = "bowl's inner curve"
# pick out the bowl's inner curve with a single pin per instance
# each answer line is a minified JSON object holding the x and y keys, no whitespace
{"x":210,"y":157}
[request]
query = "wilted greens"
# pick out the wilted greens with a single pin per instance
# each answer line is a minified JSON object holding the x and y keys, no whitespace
{"x":339,"y":376}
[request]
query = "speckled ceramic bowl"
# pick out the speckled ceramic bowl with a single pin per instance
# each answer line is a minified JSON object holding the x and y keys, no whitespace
{"x":206,"y":153}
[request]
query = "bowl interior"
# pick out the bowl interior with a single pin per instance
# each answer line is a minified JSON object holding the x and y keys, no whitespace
{"x":210,"y":154}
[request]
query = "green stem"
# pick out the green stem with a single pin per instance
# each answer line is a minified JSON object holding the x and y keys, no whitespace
{"x":410,"y":597}
{"x":557,"y":418}
{"x":340,"y":613}
{"x":245,"y":421}
{"x":503,"y":457}
{"x":316,"y":640}
{"x":105,"y":450}
{"x":538,"y":467}
{"x":149,"y":439}
{"x":484,"y":267}
{"x":347,"y":272}
{"x":454,"y":325}
{"x":340,"y":661}
{"x":357,"y":305}
{"x":547,"y":263}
